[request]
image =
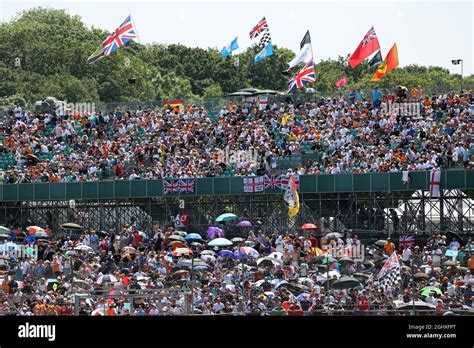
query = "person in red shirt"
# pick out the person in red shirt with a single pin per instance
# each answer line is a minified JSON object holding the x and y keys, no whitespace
{"x":314,"y":241}
{"x":137,"y":239}
{"x":363,"y":304}
{"x":295,"y":310}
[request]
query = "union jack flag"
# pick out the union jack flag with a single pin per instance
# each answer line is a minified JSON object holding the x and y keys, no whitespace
{"x":259,"y":28}
{"x":186,"y":185}
{"x":303,"y":76}
{"x":123,"y":34}
{"x":369,"y":37}
{"x":273,"y":182}
{"x":170,"y":186}
{"x":407,"y":240}
{"x":279,"y":181}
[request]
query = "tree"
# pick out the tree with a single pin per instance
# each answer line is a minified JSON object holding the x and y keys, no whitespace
{"x":54,"y":46}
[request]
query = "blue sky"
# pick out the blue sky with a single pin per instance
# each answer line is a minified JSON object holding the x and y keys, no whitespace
{"x":426,"y":33}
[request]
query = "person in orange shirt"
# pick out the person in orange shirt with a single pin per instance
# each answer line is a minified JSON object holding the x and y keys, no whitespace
{"x":470,"y":263}
{"x":6,"y":285}
{"x":389,"y":247}
{"x":427,"y":102}
{"x":40,"y":308}
{"x":110,"y":311}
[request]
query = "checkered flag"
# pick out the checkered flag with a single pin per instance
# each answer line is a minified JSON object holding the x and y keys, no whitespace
{"x":390,"y":274}
{"x":264,"y":40}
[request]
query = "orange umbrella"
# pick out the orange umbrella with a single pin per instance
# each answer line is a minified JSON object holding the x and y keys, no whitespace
{"x":177,"y":244}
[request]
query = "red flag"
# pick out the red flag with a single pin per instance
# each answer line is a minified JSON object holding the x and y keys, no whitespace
{"x":367,"y":46}
{"x":342,"y":82}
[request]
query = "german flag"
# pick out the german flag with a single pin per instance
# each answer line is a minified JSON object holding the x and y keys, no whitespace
{"x":174,"y":105}
{"x":390,"y":62}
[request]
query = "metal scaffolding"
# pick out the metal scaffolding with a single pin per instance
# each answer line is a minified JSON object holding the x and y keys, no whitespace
{"x":388,"y":212}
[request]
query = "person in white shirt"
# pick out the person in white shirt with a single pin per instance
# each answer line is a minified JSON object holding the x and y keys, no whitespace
{"x":454,"y":245}
{"x":406,"y":255}
{"x":436,"y":256}
{"x":218,"y":306}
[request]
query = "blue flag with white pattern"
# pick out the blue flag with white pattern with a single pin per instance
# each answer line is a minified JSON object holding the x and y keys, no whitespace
{"x":266,"y":52}
{"x":230,"y":48}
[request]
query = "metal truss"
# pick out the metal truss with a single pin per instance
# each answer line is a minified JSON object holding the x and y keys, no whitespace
{"x":387,"y":212}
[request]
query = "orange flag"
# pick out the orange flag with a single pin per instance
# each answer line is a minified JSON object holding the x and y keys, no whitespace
{"x":390,"y":62}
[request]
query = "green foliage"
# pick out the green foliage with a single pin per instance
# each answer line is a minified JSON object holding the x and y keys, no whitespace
{"x":54,"y":46}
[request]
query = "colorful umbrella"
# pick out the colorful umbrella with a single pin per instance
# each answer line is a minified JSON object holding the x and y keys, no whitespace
{"x":309,"y":227}
{"x":182,"y":251}
{"x":214,"y":232}
{"x":220,"y":242}
{"x":249,"y":251}
{"x":237,"y":240}
{"x":33,"y":229}
{"x":244,"y":223}
{"x":226,"y":217}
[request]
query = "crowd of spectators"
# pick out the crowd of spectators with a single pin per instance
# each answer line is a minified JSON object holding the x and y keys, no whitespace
{"x":258,"y":274}
{"x":352,"y":133}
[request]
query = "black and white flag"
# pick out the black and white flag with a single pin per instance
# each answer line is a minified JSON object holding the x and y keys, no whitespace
{"x":265,"y":39}
{"x":390,"y":274}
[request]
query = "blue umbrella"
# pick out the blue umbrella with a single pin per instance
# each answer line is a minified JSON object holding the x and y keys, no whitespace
{"x":228,"y":253}
{"x":193,"y":236}
{"x":226,"y":217}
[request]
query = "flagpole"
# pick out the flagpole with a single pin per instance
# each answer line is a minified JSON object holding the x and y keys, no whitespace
{"x":134,"y":26}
